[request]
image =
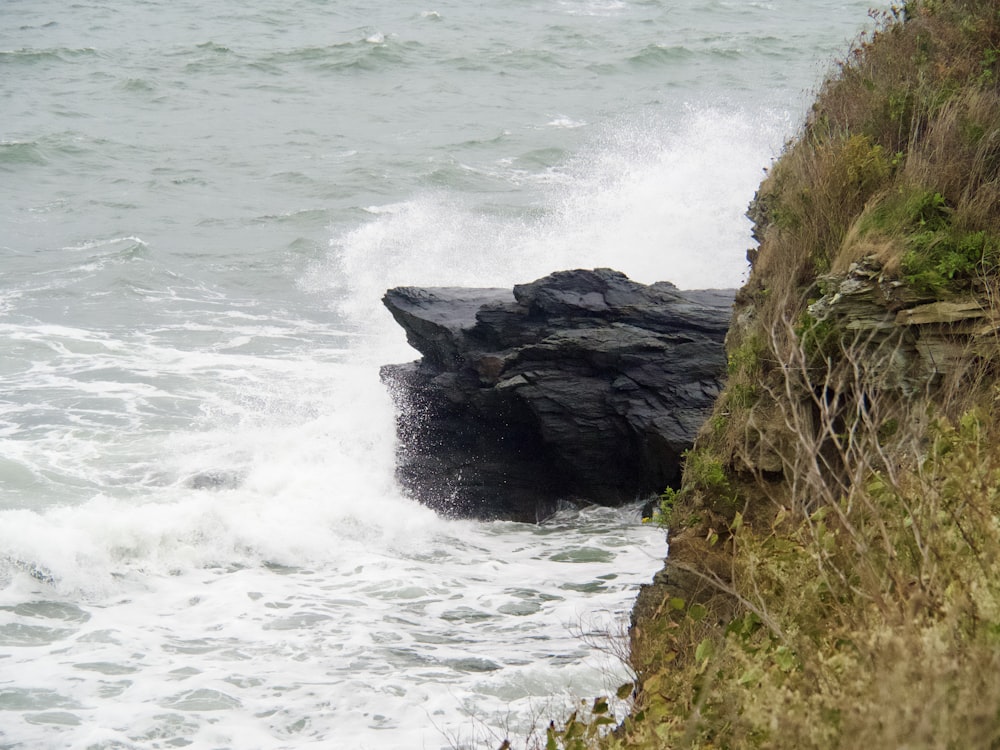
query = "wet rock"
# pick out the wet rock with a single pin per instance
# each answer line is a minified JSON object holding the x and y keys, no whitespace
{"x":582,"y":385}
{"x":215,"y":480}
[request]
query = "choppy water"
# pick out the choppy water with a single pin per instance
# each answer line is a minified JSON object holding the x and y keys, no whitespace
{"x":201,"y":543}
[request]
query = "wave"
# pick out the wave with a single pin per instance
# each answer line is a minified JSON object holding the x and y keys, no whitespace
{"x":138,"y":85}
{"x":211,"y":46}
{"x":123,"y":247}
{"x":20,"y":152}
{"x":530,"y":59}
{"x":371,"y":50}
{"x":292,"y":458}
{"x":658,"y":54}
{"x":28,"y":56}
{"x":593,"y":7}
{"x":565,"y":123}
{"x":71,"y":149}
{"x":712,"y":52}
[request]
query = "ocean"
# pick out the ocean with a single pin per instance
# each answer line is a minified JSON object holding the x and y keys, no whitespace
{"x":201,"y":204}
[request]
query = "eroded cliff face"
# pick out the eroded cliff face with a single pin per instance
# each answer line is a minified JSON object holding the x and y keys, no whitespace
{"x":904,"y":344}
{"x":852,"y":477}
{"x":842,"y":365}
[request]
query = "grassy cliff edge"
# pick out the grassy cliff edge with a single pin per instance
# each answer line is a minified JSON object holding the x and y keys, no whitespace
{"x":834,"y":569}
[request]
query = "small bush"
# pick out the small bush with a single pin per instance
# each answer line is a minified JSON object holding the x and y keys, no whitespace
{"x":938,"y":256}
{"x":947,"y":259}
{"x":704,"y":471}
{"x":745,"y":359}
{"x":905,"y":211}
{"x":664,"y":513}
{"x":818,"y":338}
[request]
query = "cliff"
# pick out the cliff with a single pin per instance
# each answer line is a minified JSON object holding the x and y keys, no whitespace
{"x":834,"y":570}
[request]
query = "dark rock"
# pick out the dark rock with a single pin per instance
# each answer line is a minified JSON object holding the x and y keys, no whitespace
{"x":215,"y":480}
{"x":581,"y":385}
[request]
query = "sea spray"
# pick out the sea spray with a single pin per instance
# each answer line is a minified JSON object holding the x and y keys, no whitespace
{"x":658,"y":200}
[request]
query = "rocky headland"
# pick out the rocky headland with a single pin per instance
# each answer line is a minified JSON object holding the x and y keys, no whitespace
{"x":583,"y":385}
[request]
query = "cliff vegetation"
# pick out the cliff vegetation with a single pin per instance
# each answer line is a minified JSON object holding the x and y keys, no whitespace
{"x":834,"y":570}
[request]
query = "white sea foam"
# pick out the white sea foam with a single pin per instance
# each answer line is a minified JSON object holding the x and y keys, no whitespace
{"x":109,"y":242}
{"x":343,"y":650}
{"x":593,"y":7}
{"x":566,"y":123}
{"x":656,"y":200}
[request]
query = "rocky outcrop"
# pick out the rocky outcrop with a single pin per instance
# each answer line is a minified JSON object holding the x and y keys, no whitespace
{"x":930,"y":337}
{"x":581,"y":385}
{"x":904,"y":342}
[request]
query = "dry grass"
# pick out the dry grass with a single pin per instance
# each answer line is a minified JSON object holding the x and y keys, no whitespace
{"x":834,"y":578}
{"x":913,"y":108}
{"x":856,"y":601}
{"x":834,"y":570}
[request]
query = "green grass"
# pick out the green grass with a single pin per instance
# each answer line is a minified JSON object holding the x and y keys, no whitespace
{"x":943,"y":260}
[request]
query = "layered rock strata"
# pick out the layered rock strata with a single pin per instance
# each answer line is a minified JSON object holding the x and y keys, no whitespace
{"x":583,"y":385}
{"x":905,"y":342}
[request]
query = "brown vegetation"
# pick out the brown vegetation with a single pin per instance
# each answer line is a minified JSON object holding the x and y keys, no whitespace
{"x":834,"y":571}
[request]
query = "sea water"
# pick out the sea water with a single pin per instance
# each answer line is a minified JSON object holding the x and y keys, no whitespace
{"x":201,"y":204}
